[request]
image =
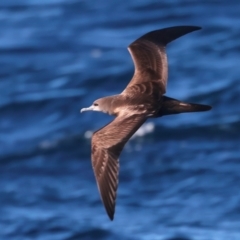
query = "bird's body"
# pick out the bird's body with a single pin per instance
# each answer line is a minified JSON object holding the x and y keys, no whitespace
{"x":142,"y":98}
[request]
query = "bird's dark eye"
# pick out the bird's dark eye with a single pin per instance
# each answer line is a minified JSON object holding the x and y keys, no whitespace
{"x":95,"y":104}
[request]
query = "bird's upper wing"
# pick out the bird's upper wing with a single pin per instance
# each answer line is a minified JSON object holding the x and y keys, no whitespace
{"x":149,"y":56}
{"x":107,"y":144}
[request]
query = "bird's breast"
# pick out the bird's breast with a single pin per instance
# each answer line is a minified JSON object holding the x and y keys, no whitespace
{"x":139,"y":109}
{"x":137,"y":104}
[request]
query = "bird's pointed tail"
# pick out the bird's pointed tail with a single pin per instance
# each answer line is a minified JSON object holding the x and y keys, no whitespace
{"x":173,"y":106}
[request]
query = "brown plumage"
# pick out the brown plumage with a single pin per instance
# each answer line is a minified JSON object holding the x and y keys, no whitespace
{"x":141,"y":99}
{"x":107,"y":144}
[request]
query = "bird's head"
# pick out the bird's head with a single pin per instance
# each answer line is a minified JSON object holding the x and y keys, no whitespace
{"x":100,"y":105}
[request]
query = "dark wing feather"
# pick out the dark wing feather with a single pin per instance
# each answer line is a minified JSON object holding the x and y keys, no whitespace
{"x":107,"y":144}
{"x":149,"y":56}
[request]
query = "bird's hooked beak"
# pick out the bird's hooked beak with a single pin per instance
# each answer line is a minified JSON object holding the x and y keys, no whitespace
{"x":87,"y":109}
{"x":91,"y":108}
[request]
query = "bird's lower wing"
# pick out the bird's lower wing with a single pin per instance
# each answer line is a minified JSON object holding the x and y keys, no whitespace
{"x":107,"y":144}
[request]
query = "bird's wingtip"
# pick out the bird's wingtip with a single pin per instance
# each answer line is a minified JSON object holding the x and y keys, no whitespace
{"x":110,"y":215}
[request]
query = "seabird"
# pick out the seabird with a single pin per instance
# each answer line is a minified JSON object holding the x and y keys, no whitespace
{"x":143,"y":98}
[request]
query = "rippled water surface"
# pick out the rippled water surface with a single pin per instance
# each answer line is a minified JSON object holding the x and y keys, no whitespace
{"x":179,"y":175}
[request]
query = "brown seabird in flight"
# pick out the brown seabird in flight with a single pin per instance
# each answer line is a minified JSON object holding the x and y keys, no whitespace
{"x":142,"y":98}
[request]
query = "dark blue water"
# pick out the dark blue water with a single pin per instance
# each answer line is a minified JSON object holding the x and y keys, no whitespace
{"x":179,"y":175}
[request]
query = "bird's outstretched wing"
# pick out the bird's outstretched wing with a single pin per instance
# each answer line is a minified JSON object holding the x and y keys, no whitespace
{"x":149,"y":56}
{"x":107,"y":144}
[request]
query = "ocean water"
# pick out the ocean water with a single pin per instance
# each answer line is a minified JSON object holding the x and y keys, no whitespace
{"x":179,"y":175}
